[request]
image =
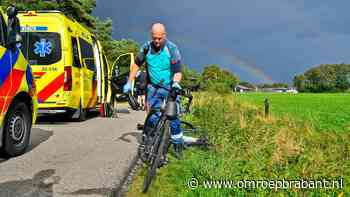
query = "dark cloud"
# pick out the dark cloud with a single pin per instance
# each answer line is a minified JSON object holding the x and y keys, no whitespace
{"x":279,"y":37}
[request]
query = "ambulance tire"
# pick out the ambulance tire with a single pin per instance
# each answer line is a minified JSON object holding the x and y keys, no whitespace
{"x":82,"y":114}
{"x":17,"y":128}
{"x":77,"y":115}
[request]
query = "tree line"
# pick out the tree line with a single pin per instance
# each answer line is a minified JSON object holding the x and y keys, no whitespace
{"x":324,"y":78}
{"x":212,"y":78}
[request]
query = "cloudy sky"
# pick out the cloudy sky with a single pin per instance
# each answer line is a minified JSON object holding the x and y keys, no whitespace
{"x":260,"y":41}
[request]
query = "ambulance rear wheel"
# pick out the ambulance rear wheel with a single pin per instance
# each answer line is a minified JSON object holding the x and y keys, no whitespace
{"x":82,"y":113}
{"x":17,"y":127}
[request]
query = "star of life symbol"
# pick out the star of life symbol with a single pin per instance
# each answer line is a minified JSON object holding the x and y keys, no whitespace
{"x":43,"y":47}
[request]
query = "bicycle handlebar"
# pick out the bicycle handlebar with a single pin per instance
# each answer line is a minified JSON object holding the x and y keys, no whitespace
{"x":180,"y":92}
{"x":173,"y":93}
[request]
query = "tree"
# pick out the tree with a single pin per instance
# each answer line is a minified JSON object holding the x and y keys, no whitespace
{"x":80,"y":10}
{"x":190,"y":78}
{"x":113,"y":48}
{"x":342,"y":81}
{"x":228,"y":78}
{"x":211,"y":72}
{"x":215,"y":78}
{"x":324,"y":78}
{"x":299,"y":82}
{"x":103,"y":32}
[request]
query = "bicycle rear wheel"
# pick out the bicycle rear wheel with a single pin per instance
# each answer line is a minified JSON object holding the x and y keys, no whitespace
{"x":158,"y":151}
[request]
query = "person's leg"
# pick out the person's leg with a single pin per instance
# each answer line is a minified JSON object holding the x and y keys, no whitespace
{"x":154,"y":100}
{"x":143,"y":101}
{"x":176,"y":133}
{"x":139,"y":99}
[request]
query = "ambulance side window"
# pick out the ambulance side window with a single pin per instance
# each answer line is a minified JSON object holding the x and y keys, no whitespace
{"x":3,"y":32}
{"x":87,"y":53}
{"x":76,"y":59}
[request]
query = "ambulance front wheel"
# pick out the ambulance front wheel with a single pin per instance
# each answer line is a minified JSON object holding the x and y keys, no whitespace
{"x":17,"y":127}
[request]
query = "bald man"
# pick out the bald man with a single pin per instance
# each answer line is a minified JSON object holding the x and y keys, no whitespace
{"x":163,"y":66}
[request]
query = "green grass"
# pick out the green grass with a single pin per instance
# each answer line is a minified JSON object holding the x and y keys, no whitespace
{"x":248,"y":146}
{"x":323,"y":111}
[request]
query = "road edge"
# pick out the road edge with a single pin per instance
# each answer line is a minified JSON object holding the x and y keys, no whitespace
{"x":122,"y":188}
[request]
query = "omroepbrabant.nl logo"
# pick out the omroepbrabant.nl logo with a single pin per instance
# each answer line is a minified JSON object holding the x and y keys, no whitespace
{"x":195,"y":183}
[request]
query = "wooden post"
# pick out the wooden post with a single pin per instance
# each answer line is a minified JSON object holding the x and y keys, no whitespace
{"x":267,"y":107}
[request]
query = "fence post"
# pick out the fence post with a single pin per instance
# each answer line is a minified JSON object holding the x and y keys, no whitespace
{"x":267,"y":107}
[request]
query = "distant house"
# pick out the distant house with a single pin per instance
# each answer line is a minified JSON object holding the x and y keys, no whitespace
{"x":240,"y":88}
{"x":280,"y":90}
{"x":292,"y":90}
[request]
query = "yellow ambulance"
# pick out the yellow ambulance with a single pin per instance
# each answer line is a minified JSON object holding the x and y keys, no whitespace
{"x":18,"y":102}
{"x":69,"y":67}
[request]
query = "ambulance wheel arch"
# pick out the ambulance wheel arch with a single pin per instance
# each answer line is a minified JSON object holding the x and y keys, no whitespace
{"x":17,"y":125}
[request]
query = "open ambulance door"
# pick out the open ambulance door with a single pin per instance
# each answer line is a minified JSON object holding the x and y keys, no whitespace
{"x":119,"y":75}
{"x":103,"y":85}
{"x":99,"y":69}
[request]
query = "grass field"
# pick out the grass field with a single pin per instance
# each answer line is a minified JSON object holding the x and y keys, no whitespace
{"x":324,"y":111}
{"x":249,"y":146}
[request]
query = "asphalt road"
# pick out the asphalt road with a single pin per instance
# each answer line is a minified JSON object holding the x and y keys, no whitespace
{"x":90,"y":158}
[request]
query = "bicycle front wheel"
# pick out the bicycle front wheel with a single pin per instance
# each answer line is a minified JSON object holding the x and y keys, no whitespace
{"x":160,"y":149}
{"x":148,"y":137}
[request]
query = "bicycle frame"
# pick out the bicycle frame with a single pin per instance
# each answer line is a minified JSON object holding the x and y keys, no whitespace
{"x":161,"y":135}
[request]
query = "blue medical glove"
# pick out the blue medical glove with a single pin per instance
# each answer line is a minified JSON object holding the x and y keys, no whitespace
{"x":127,"y":87}
{"x":176,"y":85}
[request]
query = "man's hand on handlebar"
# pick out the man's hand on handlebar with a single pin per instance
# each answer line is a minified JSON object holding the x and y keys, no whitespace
{"x":176,"y":85}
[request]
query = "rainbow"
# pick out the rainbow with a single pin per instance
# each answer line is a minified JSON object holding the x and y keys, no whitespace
{"x":236,"y":61}
{"x":220,"y":52}
{"x":248,"y":67}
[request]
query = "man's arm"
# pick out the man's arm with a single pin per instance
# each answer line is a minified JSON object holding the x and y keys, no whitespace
{"x":133,"y":70}
{"x":176,"y":65}
{"x":140,"y":59}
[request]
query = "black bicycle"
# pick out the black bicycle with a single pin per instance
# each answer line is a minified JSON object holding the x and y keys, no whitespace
{"x":156,"y":138}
